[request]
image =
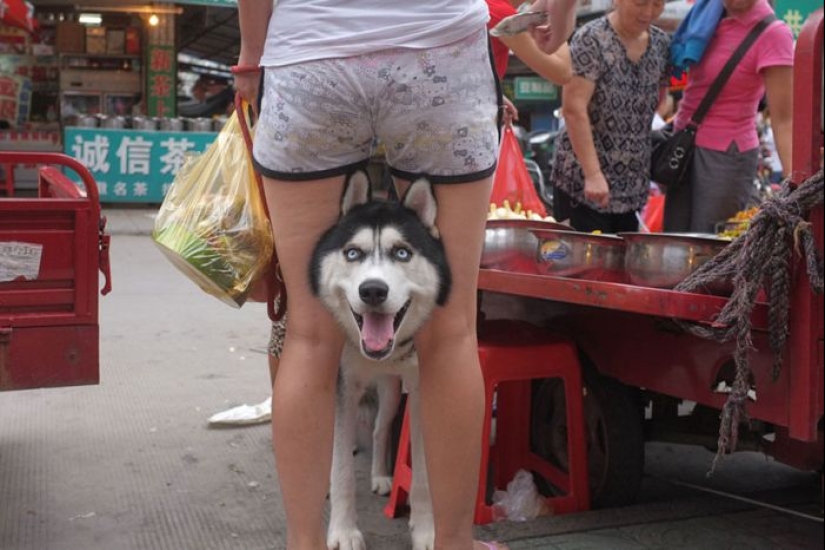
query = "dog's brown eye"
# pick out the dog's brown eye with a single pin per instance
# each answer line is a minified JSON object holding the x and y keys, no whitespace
{"x":402,"y":254}
{"x":353,"y":254}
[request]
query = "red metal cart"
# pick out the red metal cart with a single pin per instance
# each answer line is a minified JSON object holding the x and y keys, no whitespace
{"x":51,"y":250}
{"x":624,"y":334}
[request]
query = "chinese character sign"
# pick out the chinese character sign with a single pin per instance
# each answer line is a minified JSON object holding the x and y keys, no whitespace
{"x":796,"y":12}
{"x":132,"y":166}
{"x":534,"y":88}
{"x":160,"y":82}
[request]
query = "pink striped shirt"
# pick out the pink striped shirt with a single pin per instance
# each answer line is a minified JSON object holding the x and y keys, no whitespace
{"x":732,"y":118}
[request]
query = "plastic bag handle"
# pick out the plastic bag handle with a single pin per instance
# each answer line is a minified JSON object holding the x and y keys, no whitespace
{"x":276,"y":289}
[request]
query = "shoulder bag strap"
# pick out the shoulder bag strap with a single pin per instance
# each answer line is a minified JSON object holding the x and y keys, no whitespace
{"x":726,"y":73}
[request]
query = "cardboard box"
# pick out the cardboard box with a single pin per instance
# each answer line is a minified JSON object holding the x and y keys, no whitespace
{"x":116,"y":41}
{"x":96,"y":40}
{"x":70,"y":37}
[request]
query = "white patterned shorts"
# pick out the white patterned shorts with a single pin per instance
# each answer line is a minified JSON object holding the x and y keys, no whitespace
{"x":434,"y":113}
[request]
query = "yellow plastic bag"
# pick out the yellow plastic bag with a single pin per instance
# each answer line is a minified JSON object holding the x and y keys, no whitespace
{"x":213,"y":224}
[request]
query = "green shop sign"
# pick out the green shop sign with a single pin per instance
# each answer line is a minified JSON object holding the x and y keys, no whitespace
{"x":529,"y":88}
{"x":796,"y":12}
{"x":161,"y":74}
{"x":133,"y":166}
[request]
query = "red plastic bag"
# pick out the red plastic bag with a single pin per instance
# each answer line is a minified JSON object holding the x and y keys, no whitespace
{"x":653,"y":214}
{"x":512,"y":181}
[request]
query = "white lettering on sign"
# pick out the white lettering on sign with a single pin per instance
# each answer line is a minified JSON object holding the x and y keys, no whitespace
{"x":140,"y":189}
{"x":20,"y":260}
{"x":176,"y":156}
{"x":92,"y":153}
{"x":135,"y":156}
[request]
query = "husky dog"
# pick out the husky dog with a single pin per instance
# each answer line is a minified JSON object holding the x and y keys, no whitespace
{"x":381,"y":270}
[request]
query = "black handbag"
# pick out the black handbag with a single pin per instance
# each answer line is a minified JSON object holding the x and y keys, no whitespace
{"x":673,"y":153}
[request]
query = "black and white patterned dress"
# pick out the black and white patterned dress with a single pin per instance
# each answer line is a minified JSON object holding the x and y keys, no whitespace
{"x":621,"y":113}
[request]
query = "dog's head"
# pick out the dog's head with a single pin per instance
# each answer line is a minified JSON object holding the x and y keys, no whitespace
{"x":381,"y":270}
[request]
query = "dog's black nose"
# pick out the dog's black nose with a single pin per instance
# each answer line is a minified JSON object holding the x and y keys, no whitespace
{"x":374,"y":292}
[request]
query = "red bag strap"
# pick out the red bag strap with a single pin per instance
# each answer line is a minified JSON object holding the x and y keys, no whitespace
{"x":276,"y":289}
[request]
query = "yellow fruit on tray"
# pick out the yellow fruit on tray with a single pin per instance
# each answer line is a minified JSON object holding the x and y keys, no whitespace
{"x":507,"y":212}
{"x":739,"y":223}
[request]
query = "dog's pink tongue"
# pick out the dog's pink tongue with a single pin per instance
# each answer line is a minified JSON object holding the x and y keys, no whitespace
{"x":377,"y":332}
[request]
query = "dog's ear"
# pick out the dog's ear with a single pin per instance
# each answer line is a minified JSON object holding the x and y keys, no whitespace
{"x":357,"y":191}
{"x":420,"y":198}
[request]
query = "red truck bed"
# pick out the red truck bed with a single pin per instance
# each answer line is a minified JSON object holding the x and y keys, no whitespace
{"x":51,"y":250}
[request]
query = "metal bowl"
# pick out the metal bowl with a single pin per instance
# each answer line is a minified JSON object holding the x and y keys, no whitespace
{"x":580,"y":255}
{"x":663,"y":260}
{"x":200,"y":124}
{"x":510,"y":246}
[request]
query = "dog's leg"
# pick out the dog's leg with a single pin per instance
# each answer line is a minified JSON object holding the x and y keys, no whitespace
{"x":389,"y":397}
{"x":422,"y":526}
{"x":343,"y":533}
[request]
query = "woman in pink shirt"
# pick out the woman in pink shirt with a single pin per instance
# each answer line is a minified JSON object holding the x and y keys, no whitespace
{"x":727,"y":152}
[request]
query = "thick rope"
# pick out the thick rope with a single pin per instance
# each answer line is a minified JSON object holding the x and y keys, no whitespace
{"x":760,"y":258}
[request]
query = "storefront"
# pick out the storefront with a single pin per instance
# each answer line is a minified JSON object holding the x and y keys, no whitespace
{"x":100,"y":82}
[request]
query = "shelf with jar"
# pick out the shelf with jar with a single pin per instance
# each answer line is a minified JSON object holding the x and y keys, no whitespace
{"x":29,"y":84}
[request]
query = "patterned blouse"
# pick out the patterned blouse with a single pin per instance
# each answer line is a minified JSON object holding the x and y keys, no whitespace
{"x":621,"y":114}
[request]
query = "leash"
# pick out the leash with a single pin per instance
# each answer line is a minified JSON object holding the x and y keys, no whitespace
{"x":276,"y":301}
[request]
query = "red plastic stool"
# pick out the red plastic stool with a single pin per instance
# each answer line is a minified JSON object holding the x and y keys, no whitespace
{"x":513,"y":354}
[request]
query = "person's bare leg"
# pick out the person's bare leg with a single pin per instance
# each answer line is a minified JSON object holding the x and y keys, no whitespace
{"x":303,"y":398}
{"x":451,"y":387}
{"x":274,"y":363}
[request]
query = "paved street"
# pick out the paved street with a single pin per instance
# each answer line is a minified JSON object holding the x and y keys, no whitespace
{"x":132,"y":465}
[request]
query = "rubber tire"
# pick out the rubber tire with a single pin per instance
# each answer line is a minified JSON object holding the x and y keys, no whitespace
{"x":615,"y":425}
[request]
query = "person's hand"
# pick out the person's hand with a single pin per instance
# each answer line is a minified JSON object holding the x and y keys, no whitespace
{"x":247,"y":85}
{"x":510,"y":111}
{"x":596,"y":190}
{"x":561,"y":22}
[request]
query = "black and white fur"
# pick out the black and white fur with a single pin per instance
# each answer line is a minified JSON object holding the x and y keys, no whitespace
{"x":381,"y":271}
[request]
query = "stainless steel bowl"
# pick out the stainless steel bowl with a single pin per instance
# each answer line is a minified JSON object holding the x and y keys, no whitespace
{"x":88,"y":121}
{"x":144,"y":123}
{"x":114,"y":122}
{"x":172,"y":125}
{"x":200,"y":125}
{"x":510,"y":246}
{"x":663,"y":260}
{"x":580,"y":255}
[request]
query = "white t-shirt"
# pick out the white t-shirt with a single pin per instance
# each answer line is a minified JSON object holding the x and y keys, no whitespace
{"x":307,"y":30}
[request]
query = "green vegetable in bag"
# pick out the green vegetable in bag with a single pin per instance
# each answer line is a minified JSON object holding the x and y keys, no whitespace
{"x":213,"y":224}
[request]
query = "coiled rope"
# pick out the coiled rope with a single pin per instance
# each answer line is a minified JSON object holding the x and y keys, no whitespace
{"x":760,"y":258}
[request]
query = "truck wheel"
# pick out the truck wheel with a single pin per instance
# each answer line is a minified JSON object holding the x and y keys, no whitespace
{"x":615,"y":438}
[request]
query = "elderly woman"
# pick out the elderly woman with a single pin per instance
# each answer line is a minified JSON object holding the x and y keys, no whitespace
{"x":727,"y":144}
{"x":620,"y":73}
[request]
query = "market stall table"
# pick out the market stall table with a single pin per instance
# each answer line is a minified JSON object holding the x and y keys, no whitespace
{"x":634,"y":337}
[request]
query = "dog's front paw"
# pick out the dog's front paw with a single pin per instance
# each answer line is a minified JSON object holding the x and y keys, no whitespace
{"x":423,"y":539}
{"x":381,"y":485}
{"x":346,"y":539}
{"x":422,"y":530}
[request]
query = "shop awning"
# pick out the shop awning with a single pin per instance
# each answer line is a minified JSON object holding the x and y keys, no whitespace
{"x":18,"y":13}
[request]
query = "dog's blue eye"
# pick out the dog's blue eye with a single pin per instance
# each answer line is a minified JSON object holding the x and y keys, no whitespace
{"x":402,"y":254}
{"x":353,"y":254}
